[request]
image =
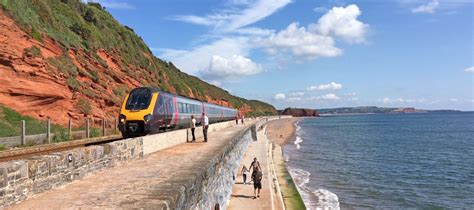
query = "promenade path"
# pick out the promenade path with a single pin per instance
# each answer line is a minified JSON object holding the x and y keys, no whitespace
{"x":141,"y":183}
{"x":242,"y":197}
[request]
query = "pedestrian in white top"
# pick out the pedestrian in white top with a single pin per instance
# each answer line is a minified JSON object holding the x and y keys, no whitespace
{"x":205,"y":125}
{"x":193,"y":127}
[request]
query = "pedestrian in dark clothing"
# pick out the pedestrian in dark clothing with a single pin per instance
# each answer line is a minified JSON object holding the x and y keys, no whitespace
{"x":193,"y":127}
{"x":205,"y":125}
{"x":257,"y":183}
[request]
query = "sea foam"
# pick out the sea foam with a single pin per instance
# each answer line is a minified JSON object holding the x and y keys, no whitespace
{"x":313,"y":199}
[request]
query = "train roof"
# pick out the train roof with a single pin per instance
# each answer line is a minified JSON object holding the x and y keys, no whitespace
{"x":156,"y":89}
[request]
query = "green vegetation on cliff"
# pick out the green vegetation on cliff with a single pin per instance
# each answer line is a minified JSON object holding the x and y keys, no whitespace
{"x":86,"y":29}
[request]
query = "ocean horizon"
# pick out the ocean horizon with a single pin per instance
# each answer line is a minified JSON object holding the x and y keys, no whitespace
{"x":421,"y":160}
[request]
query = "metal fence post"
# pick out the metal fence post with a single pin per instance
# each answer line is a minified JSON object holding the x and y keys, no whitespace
{"x":22,"y":135}
{"x":70,"y":127}
{"x":103,"y":126}
{"x":48,"y":131}
{"x":87,"y":128}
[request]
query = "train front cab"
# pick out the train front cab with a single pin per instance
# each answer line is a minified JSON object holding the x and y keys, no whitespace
{"x":137,"y":112}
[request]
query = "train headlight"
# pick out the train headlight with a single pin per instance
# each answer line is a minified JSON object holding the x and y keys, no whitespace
{"x":122,"y":118}
{"x":148,"y":117}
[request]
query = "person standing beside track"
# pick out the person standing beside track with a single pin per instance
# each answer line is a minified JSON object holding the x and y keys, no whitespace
{"x":193,"y":127}
{"x":205,"y":125}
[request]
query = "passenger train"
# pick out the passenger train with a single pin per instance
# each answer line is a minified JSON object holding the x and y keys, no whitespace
{"x":147,"y":110}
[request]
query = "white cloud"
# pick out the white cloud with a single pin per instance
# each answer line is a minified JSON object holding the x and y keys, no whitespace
{"x":198,"y":59}
{"x":387,"y":100}
{"x":296,"y":94}
{"x":294,"y":99}
{"x":342,"y":22}
{"x":470,"y":69}
{"x":111,"y":4}
{"x":330,"y":86}
{"x":279,"y":96}
{"x":318,"y":39}
{"x":301,"y":43}
{"x":453,"y":100}
{"x":330,"y":96}
{"x":229,"y":68}
{"x":231,"y":19}
{"x":426,"y":8}
{"x":320,"y":9}
{"x":353,"y":99}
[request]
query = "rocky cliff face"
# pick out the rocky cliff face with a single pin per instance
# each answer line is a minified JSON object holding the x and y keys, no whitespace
{"x":66,"y":59}
{"x":297,"y":112}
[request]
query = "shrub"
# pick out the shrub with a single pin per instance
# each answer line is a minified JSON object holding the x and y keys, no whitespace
{"x":84,"y":106}
{"x":61,"y":135}
{"x":2,"y":147}
{"x":33,"y":51}
{"x":95,"y":132}
{"x":88,"y":93}
{"x":120,"y":90}
{"x":73,"y":84}
{"x":94,"y":75}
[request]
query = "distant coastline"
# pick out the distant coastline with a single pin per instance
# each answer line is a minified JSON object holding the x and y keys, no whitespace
{"x":377,"y":110}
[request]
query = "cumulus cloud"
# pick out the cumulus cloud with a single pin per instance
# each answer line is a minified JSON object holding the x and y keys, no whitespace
{"x":318,"y":39}
{"x":330,"y":86}
{"x":294,"y":99}
{"x":426,"y":8}
{"x":330,"y":96}
{"x":198,"y":59}
{"x":301,"y":42}
{"x":279,"y":96}
{"x":470,"y":69}
{"x":296,"y":94}
{"x":342,"y":22}
{"x":229,"y":68}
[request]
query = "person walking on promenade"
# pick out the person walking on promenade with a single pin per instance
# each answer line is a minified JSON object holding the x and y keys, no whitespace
{"x":205,"y":125}
{"x":242,"y":120}
{"x":193,"y":127}
{"x":255,"y":165}
{"x":244,"y":173}
{"x":257,"y":183}
{"x":236,"y":119}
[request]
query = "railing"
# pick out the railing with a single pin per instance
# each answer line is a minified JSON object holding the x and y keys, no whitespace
{"x":91,"y":128}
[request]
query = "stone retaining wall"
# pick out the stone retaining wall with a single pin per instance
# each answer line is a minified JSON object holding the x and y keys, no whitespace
{"x":23,"y":178}
{"x":212,"y":185}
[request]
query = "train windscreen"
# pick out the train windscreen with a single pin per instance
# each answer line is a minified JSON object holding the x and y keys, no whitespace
{"x":139,"y":99}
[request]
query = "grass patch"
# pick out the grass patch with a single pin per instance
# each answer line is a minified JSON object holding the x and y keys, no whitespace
{"x":95,"y":132}
{"x":64,"y":65}
{"x":61,"y":134}
{"x":3,"y":147}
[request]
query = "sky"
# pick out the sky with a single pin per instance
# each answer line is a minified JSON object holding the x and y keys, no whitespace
{"x":317,"y":53}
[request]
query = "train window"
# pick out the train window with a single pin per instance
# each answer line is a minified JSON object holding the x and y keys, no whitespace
{"x":180,"y":107}
{"x":139,"y":99}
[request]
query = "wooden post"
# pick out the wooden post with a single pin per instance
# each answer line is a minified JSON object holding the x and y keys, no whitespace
{"x":103,"y":126}
{"x":115,"y":125}
{"x":48,"y":131}
{"x":23,"y":132}
{"x":70,"y":127}
{"x":87,"y":128}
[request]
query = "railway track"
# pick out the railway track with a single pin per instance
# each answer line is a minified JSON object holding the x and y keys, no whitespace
{"x":22,"y":153}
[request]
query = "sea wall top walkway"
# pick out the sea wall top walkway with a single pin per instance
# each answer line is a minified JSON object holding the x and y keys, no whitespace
{"x":191,"y":175}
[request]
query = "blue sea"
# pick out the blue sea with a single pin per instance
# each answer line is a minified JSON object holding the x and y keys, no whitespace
{"x":389,"y":161}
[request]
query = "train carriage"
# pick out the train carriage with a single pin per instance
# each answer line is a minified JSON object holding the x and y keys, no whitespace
{"x":148,"y":110}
